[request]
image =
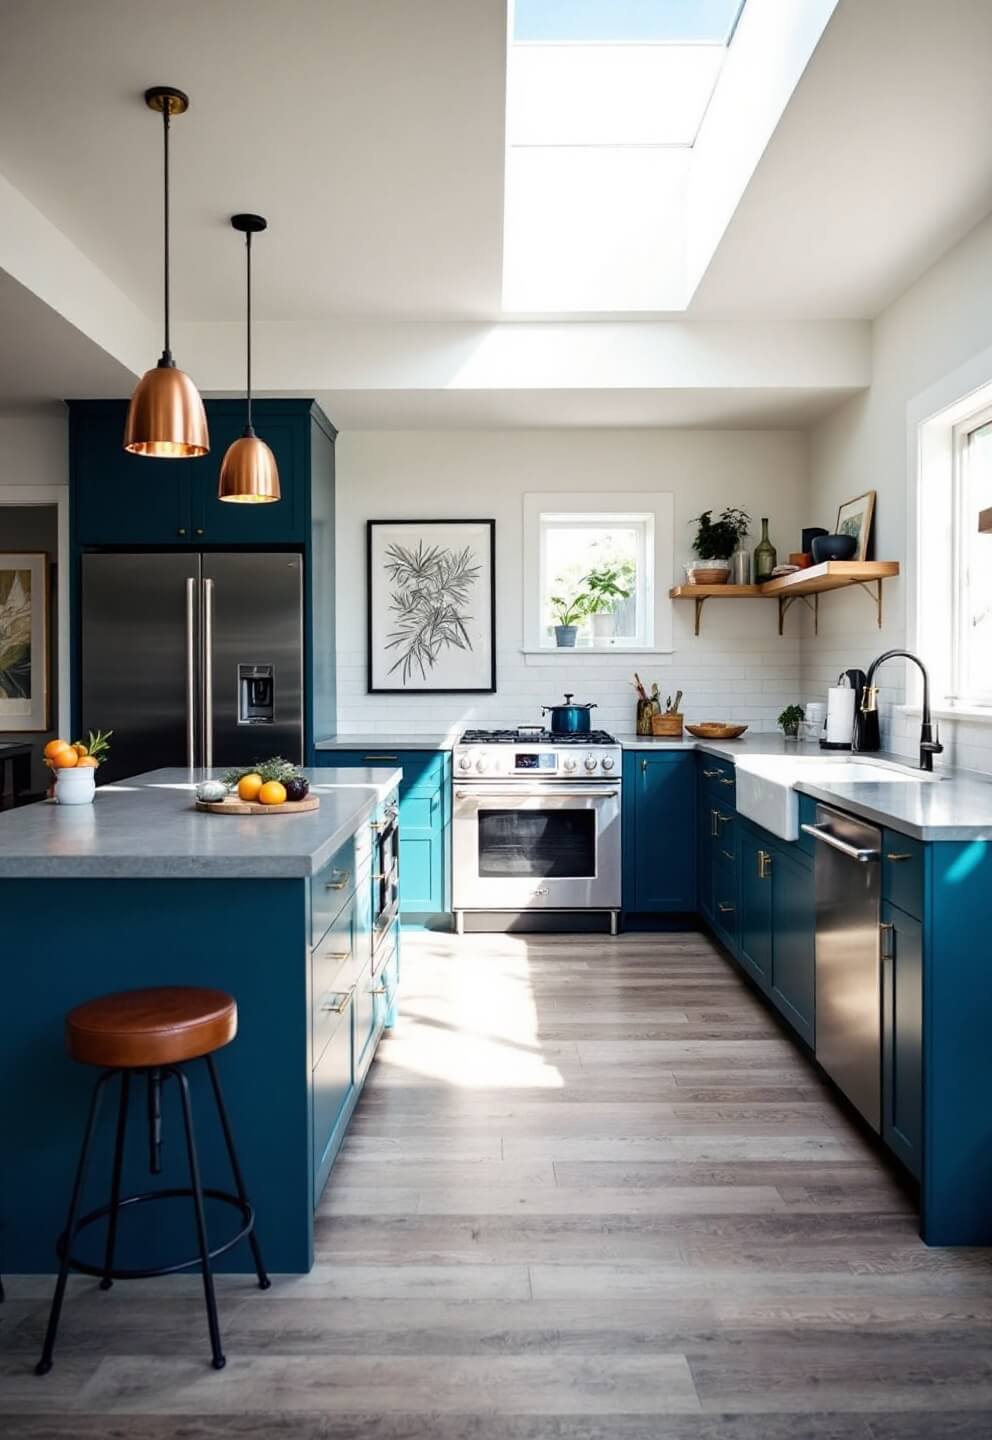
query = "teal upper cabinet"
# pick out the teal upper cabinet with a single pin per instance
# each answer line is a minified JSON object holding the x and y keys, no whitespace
{"x":659,"y":831}
{"x":220,"y":521}
{"x":122,"y":499}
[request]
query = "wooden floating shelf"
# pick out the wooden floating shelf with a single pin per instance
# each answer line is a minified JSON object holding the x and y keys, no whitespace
{"x":814,"y":581}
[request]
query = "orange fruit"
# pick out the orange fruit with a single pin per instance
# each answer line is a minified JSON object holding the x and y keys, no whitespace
{"x":272,"y":793}
{"x":54,"y":746}
{"x":86,"y":762}
{"x":65,"y":759}
{"x":80,"y":748}
{"x":249,"y":786}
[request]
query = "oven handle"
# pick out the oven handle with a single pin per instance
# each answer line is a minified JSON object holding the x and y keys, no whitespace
{"x":486,"y":793}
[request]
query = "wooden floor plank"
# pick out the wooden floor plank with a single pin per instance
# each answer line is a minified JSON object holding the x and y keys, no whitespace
{"x":591,"y":1192}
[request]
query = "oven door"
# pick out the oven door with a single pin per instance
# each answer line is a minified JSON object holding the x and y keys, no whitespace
{"x":521,"y":846}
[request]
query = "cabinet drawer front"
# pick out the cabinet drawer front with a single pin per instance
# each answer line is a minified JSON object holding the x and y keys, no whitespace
{"x":420,"y":767}
{"x":330,"y":887}
{"x":333,"y":967}
{"x":902,"y":872}
{"x":720,"y":777}
{"x":333,"y":1079}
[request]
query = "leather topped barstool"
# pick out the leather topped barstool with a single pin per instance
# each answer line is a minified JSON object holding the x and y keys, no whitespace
{"x":152,"y":1033}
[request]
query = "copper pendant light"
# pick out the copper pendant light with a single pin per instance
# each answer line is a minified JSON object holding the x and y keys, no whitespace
{"x":166,"y":419}
{"x":249,"y":474}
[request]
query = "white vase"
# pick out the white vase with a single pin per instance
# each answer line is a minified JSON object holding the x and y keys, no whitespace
{"x":603,"y":625}
{"x":75,"y":786}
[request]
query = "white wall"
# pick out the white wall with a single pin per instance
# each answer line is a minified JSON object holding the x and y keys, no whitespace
{"x":739,"y":668}
{"x":933,"y":328}
{"x":34,"y":447}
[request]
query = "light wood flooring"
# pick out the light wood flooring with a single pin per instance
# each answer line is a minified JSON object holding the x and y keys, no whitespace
{"x":591,"y":1191}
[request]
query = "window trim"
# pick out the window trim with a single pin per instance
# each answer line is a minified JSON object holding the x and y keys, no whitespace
{"x":960,"y":439}
{"x":659,"y":507}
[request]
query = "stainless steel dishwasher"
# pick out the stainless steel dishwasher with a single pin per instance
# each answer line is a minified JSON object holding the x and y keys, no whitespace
{"x":848,"y":965}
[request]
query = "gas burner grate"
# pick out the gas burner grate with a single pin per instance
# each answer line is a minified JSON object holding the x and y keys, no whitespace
{"x":534,"y":737}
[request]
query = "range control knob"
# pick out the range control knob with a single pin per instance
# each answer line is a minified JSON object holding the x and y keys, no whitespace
{"x":590,"y":762}
{"x":569,"y":763}
{"x":481,"y":764}
{"x":608,"y":762}
{"x":465,"y":762}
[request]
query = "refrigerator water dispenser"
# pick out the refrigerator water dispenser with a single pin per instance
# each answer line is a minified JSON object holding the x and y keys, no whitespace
{"x":256,"y":695}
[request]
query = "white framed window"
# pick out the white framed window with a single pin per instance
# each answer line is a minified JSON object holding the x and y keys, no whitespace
{"x":605,"y":559}
{"x":970,"y":678}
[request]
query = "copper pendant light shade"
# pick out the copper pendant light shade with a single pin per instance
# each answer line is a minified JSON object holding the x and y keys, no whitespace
{"x":166,"y":419}
{"x":249,"y":474}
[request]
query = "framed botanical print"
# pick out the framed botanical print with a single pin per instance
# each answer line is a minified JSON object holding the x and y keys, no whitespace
{"x":23,"y":641}
{"x":854,"y":517}
{"x":431,"y":606}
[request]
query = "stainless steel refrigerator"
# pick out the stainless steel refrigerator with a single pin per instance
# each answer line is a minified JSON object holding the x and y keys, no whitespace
{"x":193,"y":659}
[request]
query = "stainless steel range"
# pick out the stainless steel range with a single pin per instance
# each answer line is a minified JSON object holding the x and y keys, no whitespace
{"x":536,"y":822}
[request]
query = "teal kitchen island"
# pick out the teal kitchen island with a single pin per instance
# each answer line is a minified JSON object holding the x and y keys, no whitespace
{"x":293,"y":915}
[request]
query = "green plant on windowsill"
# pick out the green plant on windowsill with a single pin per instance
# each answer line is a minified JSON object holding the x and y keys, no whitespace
{"x":604,"y":588}
{"x":789,"y":720}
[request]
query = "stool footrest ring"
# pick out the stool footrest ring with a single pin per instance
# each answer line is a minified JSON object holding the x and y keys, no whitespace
{"x":181,"y":1193}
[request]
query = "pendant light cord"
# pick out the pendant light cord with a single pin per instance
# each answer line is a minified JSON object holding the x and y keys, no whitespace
{"x":250,"y":431}
{"x":166,"y":115}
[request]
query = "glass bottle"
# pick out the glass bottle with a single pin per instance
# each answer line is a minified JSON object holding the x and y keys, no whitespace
{"x":740,"y":565}
{"x":765,"y":556}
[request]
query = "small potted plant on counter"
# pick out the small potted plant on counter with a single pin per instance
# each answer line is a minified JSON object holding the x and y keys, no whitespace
{"x":714,"y":543}
{"x":604,"y":591}
{"x":567,"y":615}
{"x":790,"y":719}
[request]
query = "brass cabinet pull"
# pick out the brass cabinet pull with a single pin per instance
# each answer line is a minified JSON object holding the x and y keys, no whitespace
{"x":335,"y":955}
{"x":896,"y":856}
{"x":380,"y":991}
{"x":726,"y":854}
{"x":711,"y":774}
{"x":725,"y":909}
{"x":329,"y":1008}
{"x":339,"y":884}
{"x":380,"y":876}
{"x":764,"y":864}
{"x":181,"y":530}
{"x":713,"y":823}
{"x":725,"y":781}
{"x":379,"y":757}
{"x":644,"y":767}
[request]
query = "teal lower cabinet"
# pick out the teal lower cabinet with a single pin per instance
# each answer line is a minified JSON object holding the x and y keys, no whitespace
{"x":792,"y":978}
{"x":902,"y":1035}
{"x":659,"y":832}
{"x":755,"y":904}
{"x":425,"y":824}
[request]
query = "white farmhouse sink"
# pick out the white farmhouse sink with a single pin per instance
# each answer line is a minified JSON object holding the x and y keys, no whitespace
{"x":765,"y":784}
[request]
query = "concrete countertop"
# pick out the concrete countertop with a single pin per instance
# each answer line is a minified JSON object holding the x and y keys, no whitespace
{"x":760,"y":743}
{"x":391,"y":742}
{"x":147,"y":827}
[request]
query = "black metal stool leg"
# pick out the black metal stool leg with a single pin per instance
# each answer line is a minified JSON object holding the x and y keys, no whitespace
{"x":239,"y":1184}
{"x":45,"y":1363}
{"x":201,"y":1225}
{"x":115,"y":1184}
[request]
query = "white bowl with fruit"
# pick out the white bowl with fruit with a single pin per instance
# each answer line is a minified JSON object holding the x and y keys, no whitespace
{"x":74,"y":765}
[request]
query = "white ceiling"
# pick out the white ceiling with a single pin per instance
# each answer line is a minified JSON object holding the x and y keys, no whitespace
{"x":371,"y":133}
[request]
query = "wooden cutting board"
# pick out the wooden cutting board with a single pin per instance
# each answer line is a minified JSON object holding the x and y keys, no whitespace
{"x":234,"y":806}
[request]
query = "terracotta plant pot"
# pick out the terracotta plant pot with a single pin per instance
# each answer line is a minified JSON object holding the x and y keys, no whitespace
{"x":710,"y":572}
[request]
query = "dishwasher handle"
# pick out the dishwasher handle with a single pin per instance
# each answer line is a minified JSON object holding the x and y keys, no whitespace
{"x":851,"y":851}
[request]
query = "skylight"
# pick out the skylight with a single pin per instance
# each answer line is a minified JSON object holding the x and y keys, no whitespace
{"x":666,"y":22}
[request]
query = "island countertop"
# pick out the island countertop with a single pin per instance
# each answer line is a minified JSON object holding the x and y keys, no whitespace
{"x":147,"y":827}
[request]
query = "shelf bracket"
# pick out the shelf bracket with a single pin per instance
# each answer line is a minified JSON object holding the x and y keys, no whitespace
{"x":785,"y":603}
{"x":873,"y":588}
{"x":698,"y":601}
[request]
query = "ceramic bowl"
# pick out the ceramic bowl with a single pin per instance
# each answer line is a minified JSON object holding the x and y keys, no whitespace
{"x":833,"y":547}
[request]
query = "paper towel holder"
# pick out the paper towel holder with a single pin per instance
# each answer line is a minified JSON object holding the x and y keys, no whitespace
{"x":856,"y":680}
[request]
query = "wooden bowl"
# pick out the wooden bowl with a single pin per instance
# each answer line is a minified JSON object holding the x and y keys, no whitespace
{"x":716,"y":730}
{"x":233,"y":806}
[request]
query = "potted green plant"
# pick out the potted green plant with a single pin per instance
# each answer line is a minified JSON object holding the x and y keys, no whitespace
{"x":790,"y":719}
{"x":714,"y":543}
{"x":604,"y":590}
{"x":567,"y":613}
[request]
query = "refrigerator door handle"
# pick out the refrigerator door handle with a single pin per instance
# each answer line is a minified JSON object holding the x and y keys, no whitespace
{"x":208,"y":673}
{"x":190,"y":672}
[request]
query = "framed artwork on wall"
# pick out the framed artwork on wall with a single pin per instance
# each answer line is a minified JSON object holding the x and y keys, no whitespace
{"x":854,"y":517}
{"x":431,"y":606}
{"x":23,"y":641}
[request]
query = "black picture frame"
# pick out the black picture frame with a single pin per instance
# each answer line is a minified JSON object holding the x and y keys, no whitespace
{"x":489,"y":630}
